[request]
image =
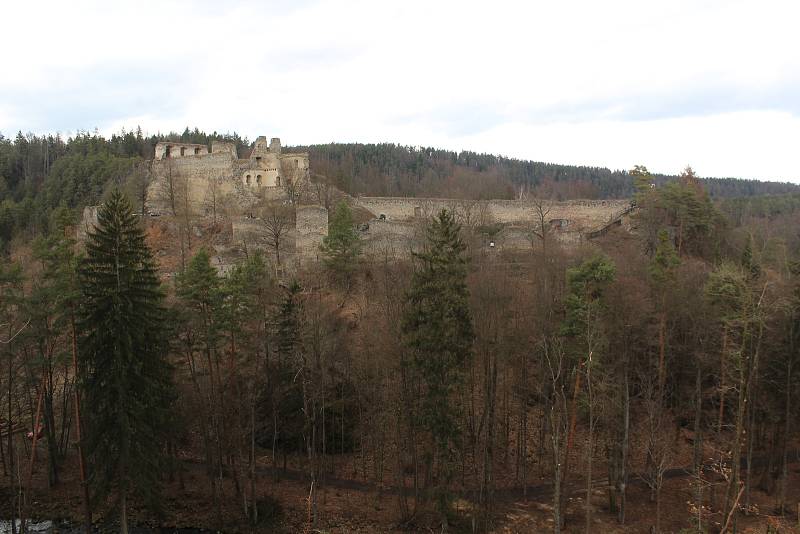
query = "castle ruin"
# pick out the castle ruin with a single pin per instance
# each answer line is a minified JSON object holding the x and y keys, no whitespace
{"x":222,"y":177}
{"x":248,"y":190}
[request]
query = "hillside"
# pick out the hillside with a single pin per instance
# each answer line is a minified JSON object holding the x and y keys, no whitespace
{"x":396,"y":170}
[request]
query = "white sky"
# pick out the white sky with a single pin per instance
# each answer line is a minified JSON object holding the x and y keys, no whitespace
{"x":714,"y":84}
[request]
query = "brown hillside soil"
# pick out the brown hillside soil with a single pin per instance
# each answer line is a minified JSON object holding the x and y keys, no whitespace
{"x":351,"y":505}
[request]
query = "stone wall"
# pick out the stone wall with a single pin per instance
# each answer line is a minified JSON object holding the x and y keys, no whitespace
{"x":169,"y":150}
{"x":578,"y":215}
{"x":391,"y":239}
{"x":224,"y":146}
{"x":311,"y":225}
{"x":204,"y":183}
{"x":205,"y":180}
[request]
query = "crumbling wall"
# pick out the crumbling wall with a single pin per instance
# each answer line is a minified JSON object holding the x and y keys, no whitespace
{"x":170,"y":150}
{"x":203,"y":183}
{"x":391,"y":239}
{"x":311,"y":224}
{"x":224,"y":146}
{"x":579,"y":214}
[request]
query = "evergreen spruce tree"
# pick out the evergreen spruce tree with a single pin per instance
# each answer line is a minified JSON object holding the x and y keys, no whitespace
{"x":749,"y":262}
{"x":287,"y":395}
{"x":125,"y":377}
{"x":438,"y":332}
{"x":199,"y":289}
{"x":342,"y":246}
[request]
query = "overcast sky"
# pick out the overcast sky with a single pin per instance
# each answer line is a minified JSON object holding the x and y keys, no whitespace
{"x":714,"y":84}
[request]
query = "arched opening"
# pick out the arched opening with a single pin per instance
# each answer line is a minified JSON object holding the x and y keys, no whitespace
{"x":168,"y":153}
{"x":247,"y":179}
{"x":197,"y":151}
{"x":258,"y":179}
{"x":277,"y":181}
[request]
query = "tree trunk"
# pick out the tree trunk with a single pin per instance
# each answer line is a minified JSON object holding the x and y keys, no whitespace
{"x":590,"y":447}
{"x":87,"y":506}
{"x":623,"y":490}
{"x":786,"y":429}
{"x":697,"y":452}
{"x":29,"y":481}
{"x":123,"y":512}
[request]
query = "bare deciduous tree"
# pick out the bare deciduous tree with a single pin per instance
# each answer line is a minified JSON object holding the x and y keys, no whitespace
{"x":277,"y":222}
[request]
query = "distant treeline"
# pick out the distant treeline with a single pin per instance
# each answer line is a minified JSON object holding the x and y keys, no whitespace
{"x":395,"y":170}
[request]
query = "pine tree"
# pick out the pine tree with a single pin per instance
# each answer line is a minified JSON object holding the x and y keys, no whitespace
{"x":125,"y":377}
{"x":585,"y":310}
{"x":642,"y":182}
{"x":438,"y":332}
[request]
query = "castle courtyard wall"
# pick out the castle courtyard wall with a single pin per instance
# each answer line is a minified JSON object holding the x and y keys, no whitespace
{"x":580,"y":214}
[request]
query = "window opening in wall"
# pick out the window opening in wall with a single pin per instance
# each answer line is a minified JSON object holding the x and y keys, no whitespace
{"x":168,"y":152}
{"x":183,"y":151}
{"x":258,"y":179}
{"x":278,"y":181}
{"x":296,"y":164}
{"x":196,"y":151}
{"x":258,"y":159}
{"x":247,"y":178}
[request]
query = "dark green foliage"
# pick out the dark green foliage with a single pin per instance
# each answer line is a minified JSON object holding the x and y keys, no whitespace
{"x":282,"y":401}
{"x":728,"y":292}
{"x":749,"y":262}
{"x":685,"y":209}
{"x":438,"y":333}
{"x":281,"y":404}
{"x":126,"y":378}
{"x":289,"y":334}
{"x":51,"y":305}
{"x":199,"y":284}
{"x":342,"y":246}
{"x":642,"y":181}
{"x":81,"y":179}
{"x":586,"y":285}
{"x":665,"y":260}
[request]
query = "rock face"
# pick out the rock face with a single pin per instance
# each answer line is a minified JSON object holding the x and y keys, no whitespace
{"x":88,"y":222}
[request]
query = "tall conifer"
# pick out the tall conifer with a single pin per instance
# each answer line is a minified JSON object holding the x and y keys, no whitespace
{"x":437,"y":329}
{"x":126,"y":378}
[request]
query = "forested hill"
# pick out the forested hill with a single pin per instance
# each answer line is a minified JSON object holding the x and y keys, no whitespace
{"x":41,"y":173}
{"x":395,"y":170}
